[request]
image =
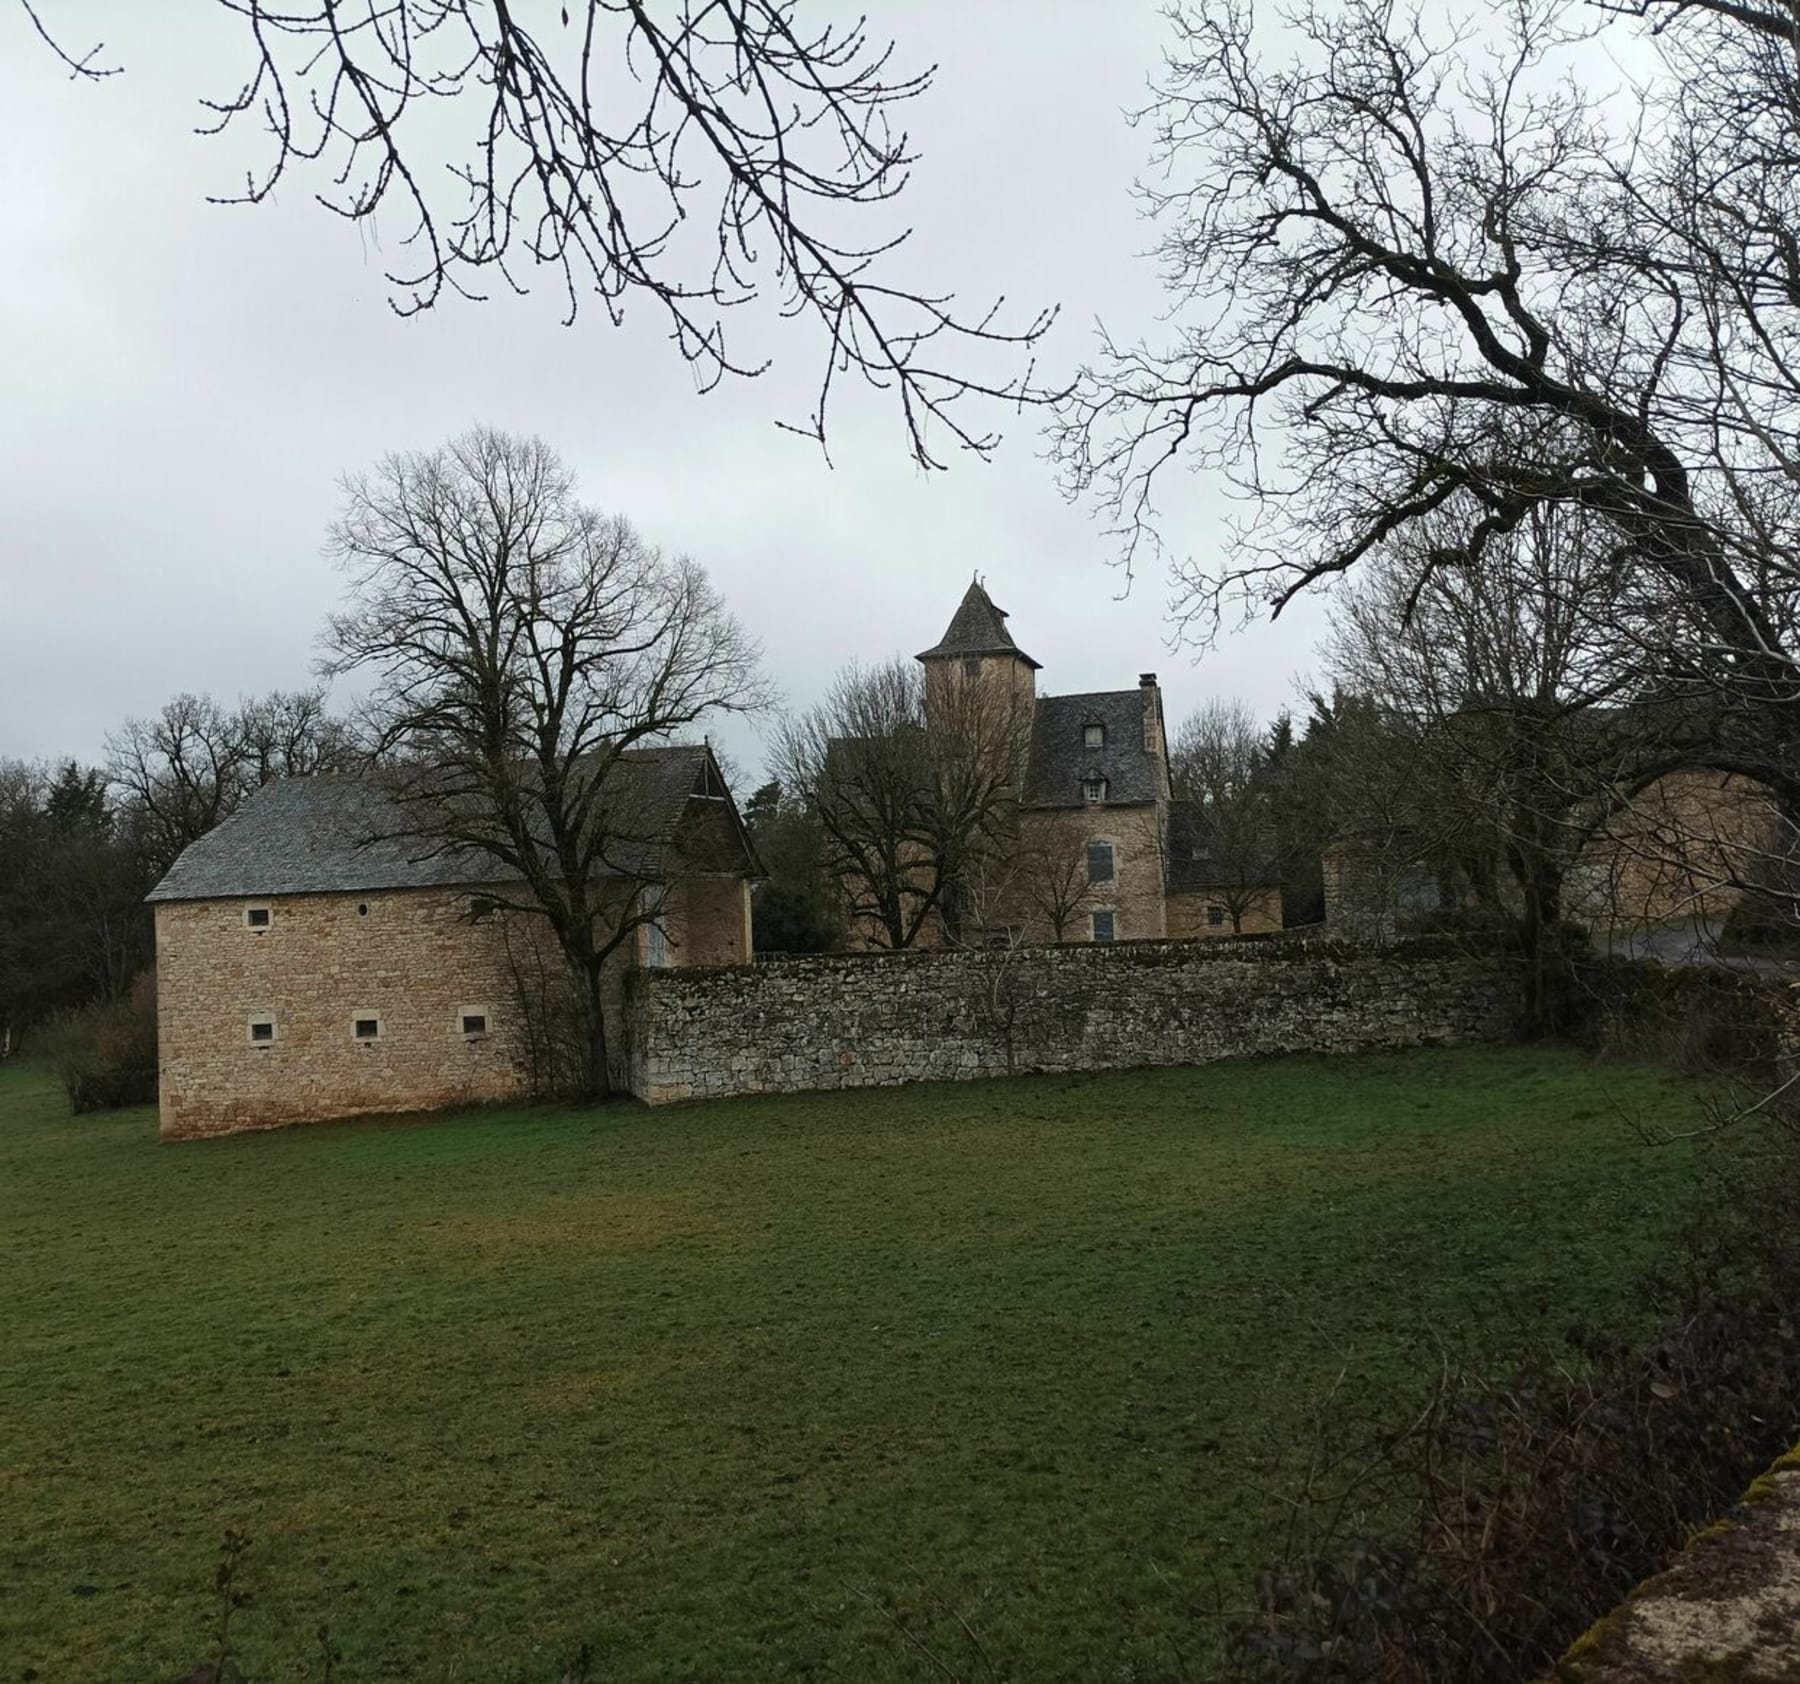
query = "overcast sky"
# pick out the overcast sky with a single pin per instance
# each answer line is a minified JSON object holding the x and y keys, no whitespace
{"x":187,"y":383}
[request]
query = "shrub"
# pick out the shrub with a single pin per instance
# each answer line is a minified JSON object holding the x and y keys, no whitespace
{"x":1535,"y":1504}
{"x":105,"y":1055}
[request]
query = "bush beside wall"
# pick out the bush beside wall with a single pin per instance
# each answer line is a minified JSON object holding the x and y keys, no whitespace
{"x":105,"y":1055}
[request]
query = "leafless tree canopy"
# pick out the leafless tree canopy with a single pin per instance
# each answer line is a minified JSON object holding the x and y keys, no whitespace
{"x":1424,"y":273}
{"x":694,"y":155}
{"x":187,"y":769}
{"x":911,"y":784}
{"x":522,"y":645}
{"x":1219,"y":763}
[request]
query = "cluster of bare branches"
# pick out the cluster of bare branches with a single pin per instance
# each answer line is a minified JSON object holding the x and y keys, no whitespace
{"x":523,"y":648}
{"x":914,"y":785}
{"x":188,"y":768}
{"x":694,"y":156}
{"x":1428,"y":283}
{"x":1219,"y":766}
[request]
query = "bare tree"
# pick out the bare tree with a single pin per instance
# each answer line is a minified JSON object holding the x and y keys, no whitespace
{"x":911,"y":784}
{"x":523,"y":645}
{"x":184,"y":771}
{"x":288,"y":734}
{"x":1217,"y":764}
{"x":694,"y":155}
{"x":1051,"y":876}
{"x":1423,"y":277}
{"x":1522,"y":693}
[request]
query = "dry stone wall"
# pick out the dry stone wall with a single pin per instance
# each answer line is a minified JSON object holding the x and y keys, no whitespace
{"x":851,"y":1021}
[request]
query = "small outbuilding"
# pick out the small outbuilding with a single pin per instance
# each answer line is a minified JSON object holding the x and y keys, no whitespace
{"x":315,"y":961}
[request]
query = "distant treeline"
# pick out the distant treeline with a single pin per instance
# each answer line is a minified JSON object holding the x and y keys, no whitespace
{"x":80,"y":846}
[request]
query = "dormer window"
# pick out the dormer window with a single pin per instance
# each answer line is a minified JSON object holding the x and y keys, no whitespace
{"x":1093,"y":789}
{"x":1093,"y":736}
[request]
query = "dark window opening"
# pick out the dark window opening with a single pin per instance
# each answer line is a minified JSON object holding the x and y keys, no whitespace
{"x":257,"y":917}
{"x":1215,"y":915}
{"x":262,"y":1029}
{"x":474,"y":1023}
{"x":368,"y":1028}
{"x":1100,"y":862}
{"x":362,"y":909}
{"x":971,"y":668}
{"x":1103,"y":926}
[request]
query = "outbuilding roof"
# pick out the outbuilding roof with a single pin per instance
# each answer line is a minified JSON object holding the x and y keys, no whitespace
{"x":977,"y":628}
{"x":1061,"y":763}
{"x":336,"y":833}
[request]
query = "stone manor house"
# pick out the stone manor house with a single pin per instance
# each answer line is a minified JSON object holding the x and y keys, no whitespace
{"x":312,"y":962}
{"x":1096,"y":811}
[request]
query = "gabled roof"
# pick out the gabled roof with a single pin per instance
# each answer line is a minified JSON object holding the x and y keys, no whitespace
{"x":1060,"y":762}
{"x":977,"y":628}
{"x":336,"y":833}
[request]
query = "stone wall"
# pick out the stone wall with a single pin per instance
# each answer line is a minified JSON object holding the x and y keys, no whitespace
{"x":847,"y":1021}
{"x":408,"y":958}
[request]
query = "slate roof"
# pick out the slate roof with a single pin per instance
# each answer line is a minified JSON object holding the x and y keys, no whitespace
{"x":977,"y":628}
{"x":1059,"y":763}
{"x":332,"y":833}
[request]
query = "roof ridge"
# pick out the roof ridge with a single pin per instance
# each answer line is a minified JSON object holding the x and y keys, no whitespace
{"x":978,"y":627}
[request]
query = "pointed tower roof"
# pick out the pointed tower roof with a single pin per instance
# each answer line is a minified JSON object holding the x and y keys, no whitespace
{"x":977,"y":628}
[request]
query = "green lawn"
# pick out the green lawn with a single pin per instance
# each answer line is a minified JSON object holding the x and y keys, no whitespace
{"x":755,"y":1389}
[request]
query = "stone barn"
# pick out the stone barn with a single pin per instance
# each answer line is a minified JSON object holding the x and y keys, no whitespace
{"x":313,"y":962}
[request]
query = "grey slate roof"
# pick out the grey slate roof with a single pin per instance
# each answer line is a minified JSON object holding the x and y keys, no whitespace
{"x":335,"y":833}
{"x":977,"y":628}
{"x":1059,"y":763}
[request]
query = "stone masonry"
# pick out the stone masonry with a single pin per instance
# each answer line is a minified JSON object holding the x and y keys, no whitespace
{"x":409,"y":959}
{"x":849,"y":1021}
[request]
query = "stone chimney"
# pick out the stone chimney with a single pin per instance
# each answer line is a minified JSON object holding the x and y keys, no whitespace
{"x":1153,"y":719}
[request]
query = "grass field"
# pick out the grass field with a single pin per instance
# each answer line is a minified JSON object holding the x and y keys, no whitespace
{"x":784,"y":1388}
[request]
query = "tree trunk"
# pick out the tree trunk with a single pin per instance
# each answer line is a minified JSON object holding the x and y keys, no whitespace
{"x":1540,"y":931}
{"x":596,"y":1079}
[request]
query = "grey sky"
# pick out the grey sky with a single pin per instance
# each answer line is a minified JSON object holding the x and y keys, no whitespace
{"x":187,"y":383}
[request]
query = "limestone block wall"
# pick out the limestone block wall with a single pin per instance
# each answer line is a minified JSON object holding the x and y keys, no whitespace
{"x":409,"y":958}
{"x":848,"y":1021}
{"x":1134,"y":896}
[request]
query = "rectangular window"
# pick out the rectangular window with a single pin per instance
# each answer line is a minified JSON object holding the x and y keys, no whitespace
{"x":366,"y":1028}
{"x":262,"y":1031}
{"x":1093,"y":736}
{"x":1103,"y":926}
{"x":1093,"y":789}
{"x":1100,"y":862}
{"x":656,"y":946}
{"x":256,"y":917}
{"x":474,"y":1023}
{"x":1215,"y":915}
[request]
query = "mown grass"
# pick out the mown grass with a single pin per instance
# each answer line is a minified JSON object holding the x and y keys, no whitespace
{"x":782,"y":1388}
